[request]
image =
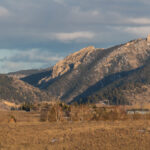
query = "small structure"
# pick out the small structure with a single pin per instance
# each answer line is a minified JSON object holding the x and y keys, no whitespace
{"x":138,"y":111}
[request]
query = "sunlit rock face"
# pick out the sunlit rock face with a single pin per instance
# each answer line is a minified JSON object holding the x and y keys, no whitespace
{"x":70,"y":62}
{"x":148,"y":38}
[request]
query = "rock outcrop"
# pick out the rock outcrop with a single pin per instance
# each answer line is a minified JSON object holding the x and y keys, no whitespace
{"x":70,"y":62}
{"x":148,"y":38}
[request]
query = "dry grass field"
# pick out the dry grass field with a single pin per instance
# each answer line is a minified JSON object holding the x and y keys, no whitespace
{"x":29,"y":133}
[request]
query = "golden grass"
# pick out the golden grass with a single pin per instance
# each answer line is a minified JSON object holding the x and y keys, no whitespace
{"x":28,"y":133}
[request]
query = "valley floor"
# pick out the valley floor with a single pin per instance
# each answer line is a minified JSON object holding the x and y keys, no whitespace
{"x":28,"y":133}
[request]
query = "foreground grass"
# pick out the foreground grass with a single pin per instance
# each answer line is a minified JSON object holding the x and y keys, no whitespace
{"x":28,"y":133}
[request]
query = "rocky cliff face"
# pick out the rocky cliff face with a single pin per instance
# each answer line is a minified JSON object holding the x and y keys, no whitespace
{"x":70,"y":62}
{"x":148,"y":38}
{"x":77,"y":72}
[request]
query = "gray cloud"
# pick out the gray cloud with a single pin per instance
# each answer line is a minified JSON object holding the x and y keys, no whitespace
{"x":34,"y":55}
{"x":33,"y":58}
{"x":76,"y":36}
{"x":63,"y":26}
{"x":31,"y":21}
{"x":4,"y":12}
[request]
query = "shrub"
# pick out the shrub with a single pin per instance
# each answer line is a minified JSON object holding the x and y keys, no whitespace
{"x":44,"y":115}
{"x":27,"y":106}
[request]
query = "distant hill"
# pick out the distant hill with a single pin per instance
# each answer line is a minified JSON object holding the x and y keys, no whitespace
{"x":91,"y":70}
{"x":15,"y":90}
{"x":34,"y":79}
{"x":24,"y":73}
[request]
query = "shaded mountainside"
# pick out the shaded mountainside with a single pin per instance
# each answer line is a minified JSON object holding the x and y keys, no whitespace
{"x":15,"y":90}
{"x":80,"y":73}
{"x":124,"y":88}
{"x":35,"y":78}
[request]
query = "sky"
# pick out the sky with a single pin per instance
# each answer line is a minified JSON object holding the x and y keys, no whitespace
{"x":39,"y":33}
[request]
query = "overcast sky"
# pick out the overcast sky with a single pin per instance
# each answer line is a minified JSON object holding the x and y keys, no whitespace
{"x":38,"y":33}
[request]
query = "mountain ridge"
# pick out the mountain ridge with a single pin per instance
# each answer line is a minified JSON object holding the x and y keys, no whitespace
{"x":81,"y":70}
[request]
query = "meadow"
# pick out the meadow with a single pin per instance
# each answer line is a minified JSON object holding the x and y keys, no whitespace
{"x":20,"y":130}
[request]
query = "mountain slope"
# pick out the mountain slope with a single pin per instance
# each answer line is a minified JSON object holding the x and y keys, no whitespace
{"x":15,"y":90}
{"x":133,"y":87}
{"x":78,"y":72}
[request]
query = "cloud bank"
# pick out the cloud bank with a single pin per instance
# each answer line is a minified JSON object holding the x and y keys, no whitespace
{"x":35,"y":58}
{"x":60,"y":27}
{"x":76,"y":36}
